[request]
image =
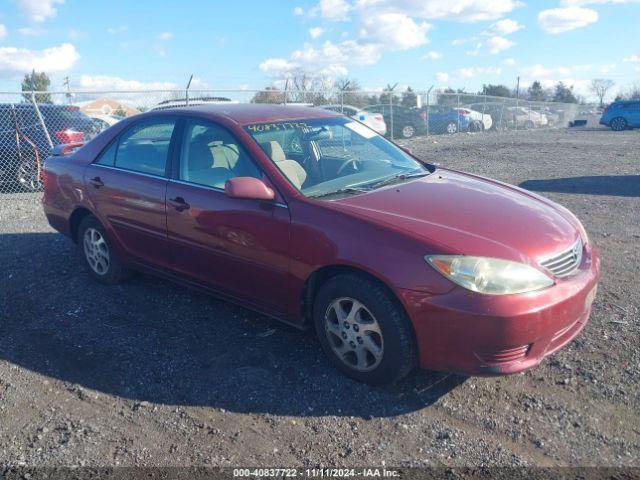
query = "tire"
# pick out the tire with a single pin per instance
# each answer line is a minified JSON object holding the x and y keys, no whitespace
{"x":476,"y":126}
{"x":27,"y":175}
{"x":529,"y":125}
{"x":100,"y":259}
{"x":451,"y":128}
{"x":377,"y":346}
{"x":408,"y":131}
{"x":619,"y":124}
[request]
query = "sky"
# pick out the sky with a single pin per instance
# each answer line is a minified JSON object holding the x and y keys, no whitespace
{"x":247,"y":44}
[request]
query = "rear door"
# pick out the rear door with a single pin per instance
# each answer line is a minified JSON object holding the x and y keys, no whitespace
{"x":634,"y":114}
{"x":127,"y":186}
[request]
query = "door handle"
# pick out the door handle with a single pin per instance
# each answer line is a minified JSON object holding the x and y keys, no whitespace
{"x":179,"y":204}
{"x":96,"y":182}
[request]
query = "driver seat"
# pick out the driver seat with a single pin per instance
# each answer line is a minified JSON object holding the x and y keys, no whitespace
{"x":291,"y":169}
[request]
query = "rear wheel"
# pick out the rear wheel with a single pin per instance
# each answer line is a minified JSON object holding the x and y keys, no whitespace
{"x":100,"y":258}
{"x":618,"y":124}
{"x":27,"y":175}
{"x":408,"y":131}
{"x":363,"y":330}
{"x":452,"y":127}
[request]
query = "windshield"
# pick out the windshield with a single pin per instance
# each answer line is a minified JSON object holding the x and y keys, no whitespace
{"x":328,"y":156}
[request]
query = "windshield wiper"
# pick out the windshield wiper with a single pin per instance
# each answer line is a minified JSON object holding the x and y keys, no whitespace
{"x":352,"y":190}
{"x":398,"y":177}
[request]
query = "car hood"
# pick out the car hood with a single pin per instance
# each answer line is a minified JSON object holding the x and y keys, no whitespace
{"x":459,"y":213}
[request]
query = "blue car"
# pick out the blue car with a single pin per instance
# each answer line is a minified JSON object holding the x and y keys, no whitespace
{"x":622,"y":115}
{"x":445,"y":119}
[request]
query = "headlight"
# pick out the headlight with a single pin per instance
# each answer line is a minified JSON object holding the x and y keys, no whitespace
{"x":489,"y":275}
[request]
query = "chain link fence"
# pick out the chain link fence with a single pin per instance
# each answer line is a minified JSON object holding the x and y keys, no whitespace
{"x":32,"y":124}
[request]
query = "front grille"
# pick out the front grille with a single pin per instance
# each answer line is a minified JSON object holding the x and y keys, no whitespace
{"x":503,"y":355}
{"x":566,"y":262}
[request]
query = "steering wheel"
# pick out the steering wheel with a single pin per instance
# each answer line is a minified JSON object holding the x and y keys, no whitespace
{"x":347,"y":161}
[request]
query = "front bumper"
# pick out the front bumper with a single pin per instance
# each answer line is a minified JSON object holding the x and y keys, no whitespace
{"x":475,"y":334}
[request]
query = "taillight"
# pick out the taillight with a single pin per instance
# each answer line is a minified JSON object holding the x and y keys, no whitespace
{"x":463,"y":112}
{"x":69,"y":136}
{"x":423,"y":115}
{"x":378,"y":117}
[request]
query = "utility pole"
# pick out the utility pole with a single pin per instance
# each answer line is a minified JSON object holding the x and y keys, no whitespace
{"x":66,"y":84}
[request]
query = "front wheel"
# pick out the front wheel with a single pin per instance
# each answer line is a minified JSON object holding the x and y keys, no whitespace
{"x":452,"y":127}
{"x":363,"y":330}
{"x":100,"y":258}
{"x":618,"y":124}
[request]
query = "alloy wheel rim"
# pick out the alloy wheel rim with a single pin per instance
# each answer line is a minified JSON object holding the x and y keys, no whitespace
{"x":408,"y":131}
{"x":618,"y":124}
{"x":354,"y":334}
{"x":96,"y":251}
{"x":28,"y":175}
{"x":451,"y":128}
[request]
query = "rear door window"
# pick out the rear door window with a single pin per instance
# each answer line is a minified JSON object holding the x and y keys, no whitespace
{"x":144,"y":148}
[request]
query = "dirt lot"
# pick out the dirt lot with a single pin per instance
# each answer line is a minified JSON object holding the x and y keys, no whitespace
{"x":151,"y":373}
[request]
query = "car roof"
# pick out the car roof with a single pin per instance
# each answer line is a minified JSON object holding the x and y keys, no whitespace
{"x":245,"y":114}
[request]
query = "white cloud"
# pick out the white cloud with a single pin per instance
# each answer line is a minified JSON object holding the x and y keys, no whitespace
{"x":631,"y":59}
{"x":559,"y":20}
{"x":332,"y":10}
{"x":552,"y":75}
{"x":298,"y":11}
{"x":471,"y":72}
{"x":16,"y":61}
{"x":32,"y":31}
{"x":595,"y":2}
{"x":39,"y":10}
{"x":73,"y":33}
{"x":396,"y":31}
{"x":504,"y":27}
{"x":442,"y":77}
{"x":462,"y":41}
{"x":459,"y":10}
{"x":432,"y":55}
{"x":315,"y":32}
{"x":3,"y":31}
{"x":164,"y":36}
{"x":497,"y":44}
{"x":106,"y":83}
{"x":118,"y":29}
{"x":606,"y":69}
{"x":510,"y":61}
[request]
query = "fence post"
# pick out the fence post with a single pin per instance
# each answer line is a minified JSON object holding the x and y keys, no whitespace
{"x":426,"y":118}
{"x":41,"y":120}
{"x":391,"y":111}
{"x":186,"y":91}
{"x":458,"y":111}
{"x":484,"y":108}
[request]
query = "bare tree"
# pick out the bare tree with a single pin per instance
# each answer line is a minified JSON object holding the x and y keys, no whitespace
{"x":268,"y":95}
{"x":305,"y":87}
{"x":599,"y":87}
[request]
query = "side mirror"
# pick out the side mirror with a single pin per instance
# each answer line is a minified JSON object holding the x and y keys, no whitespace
{"x":248,"y":187}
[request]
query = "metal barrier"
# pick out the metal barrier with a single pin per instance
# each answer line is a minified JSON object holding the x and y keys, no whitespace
{"x":33,"y":123}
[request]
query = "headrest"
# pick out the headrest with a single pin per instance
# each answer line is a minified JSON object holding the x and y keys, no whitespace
{"x":274,"y":150}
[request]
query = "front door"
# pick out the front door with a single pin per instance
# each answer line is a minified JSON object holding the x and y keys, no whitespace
{"x":237,"y":246}
{"x":127,"y":186}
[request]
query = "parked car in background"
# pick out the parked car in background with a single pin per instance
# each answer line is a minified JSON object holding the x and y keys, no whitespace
{"x":184,"y":102}
{"x":622,"y":115}
{"x":393,"y":261}
{"x":445,"y":119}
{"x":501,"y":117}
{"x":479,"y":121}
{"x":102,"y":122}
{"x":372,"y":120}
{"x":553,"y":118}
{"x":24,"y":144}
{"x":407,"y":121}
{"x":526,"y":118}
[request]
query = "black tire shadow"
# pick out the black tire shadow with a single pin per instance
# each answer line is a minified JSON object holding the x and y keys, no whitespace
{"x":151,"y":340}
{"x":615,"y":185}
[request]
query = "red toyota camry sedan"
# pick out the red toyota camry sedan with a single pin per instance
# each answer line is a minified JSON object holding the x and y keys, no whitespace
{"x":314,"y":219}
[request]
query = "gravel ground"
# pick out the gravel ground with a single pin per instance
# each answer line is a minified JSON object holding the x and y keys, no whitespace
{"x":150,"y":373}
